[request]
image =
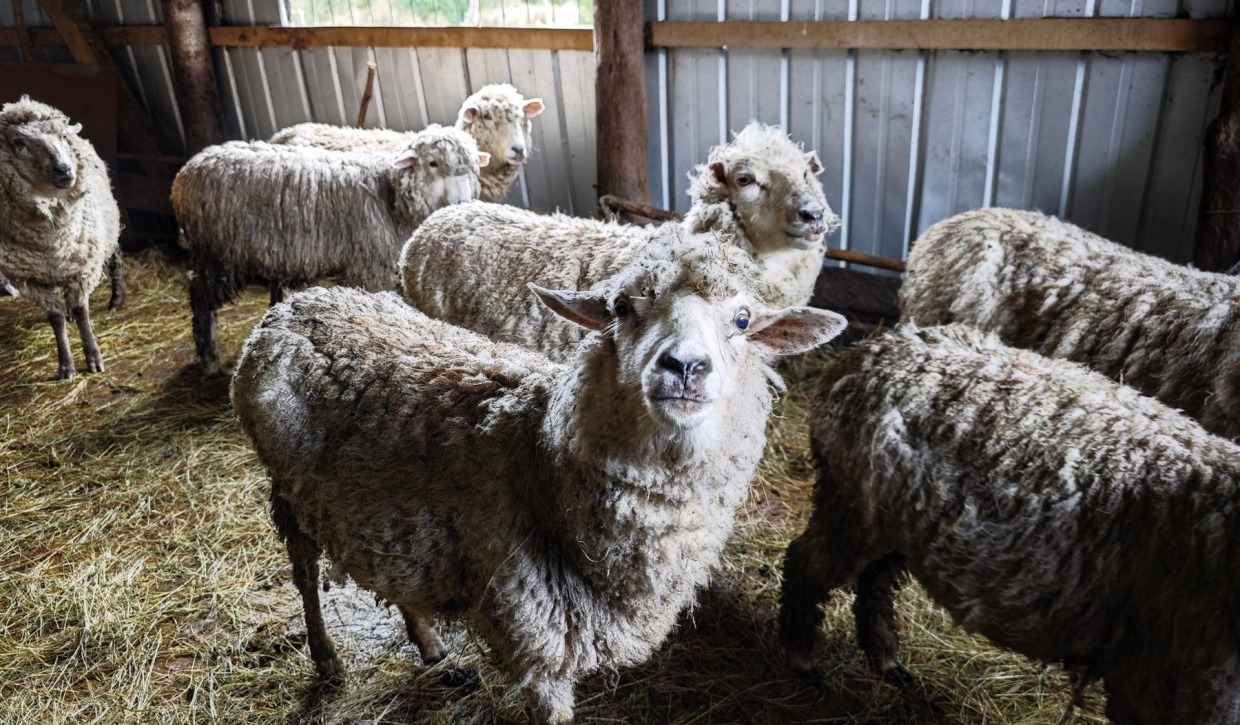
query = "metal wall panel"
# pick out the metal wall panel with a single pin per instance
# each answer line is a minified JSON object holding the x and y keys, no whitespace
{"x":907,"y":138}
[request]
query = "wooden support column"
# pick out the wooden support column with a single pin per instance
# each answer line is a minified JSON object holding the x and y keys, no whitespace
{"x":1218,"y":225}
{"x":197,"y":92}
{"x":136,"y":128}
{"x":620,"y":100}
{"x":23,"y":37}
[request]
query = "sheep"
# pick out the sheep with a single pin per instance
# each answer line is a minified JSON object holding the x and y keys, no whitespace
{"x":1059,"y":513}
{"x":1046,"y":285}
{"x":468,"y":265}
{"x":497,"y":116}
{"x":254,"y":212}
{"x":61,"y":223}
{"x":566,"y":512}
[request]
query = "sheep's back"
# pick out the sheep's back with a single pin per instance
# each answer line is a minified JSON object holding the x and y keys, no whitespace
{"x":1031,"y":497}
{"x":289,"y":214}
{"x":355,"y":403}
{"x":1049,"y":286}
{"x":470,"y":264}
{"x":343,"y":138}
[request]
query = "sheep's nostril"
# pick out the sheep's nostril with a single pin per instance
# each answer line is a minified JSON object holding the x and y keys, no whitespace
{"x":810,"y":216}
{"x":518,"y":152}
{"x":689,"y":368}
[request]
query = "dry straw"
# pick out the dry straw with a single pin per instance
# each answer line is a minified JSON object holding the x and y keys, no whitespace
{"x":141,"y":580}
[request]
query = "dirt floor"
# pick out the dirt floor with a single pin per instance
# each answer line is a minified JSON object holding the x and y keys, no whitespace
{"x":141,"y":580}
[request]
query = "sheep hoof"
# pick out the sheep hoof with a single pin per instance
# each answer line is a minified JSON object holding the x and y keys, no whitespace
{"x":897,"y":675}
{"x":434,"y":656}
{"x":67,"y":372}
{"x":460,"y":677}
{"x":94,"y":364}
{"x":117,"y":302}
{"x":330,"y":669}
{"x":810,"y":670}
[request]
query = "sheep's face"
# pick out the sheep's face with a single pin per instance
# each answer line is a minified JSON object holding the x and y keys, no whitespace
{"x":773,"y":186}
{"x":42,"y":155}
{"x":499,"y":120}
{"x":440,"y":167}
{"x":686,"y":328}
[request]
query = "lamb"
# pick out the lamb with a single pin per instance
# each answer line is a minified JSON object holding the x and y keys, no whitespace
{"x":61,"y":223}
{"x":468,"y":265}
{"x":566,"y":512}
{"x":1046,"y":285}
{"x":497,"y":116}
{"x":1059,"y":513}
{"x":254,"y":212}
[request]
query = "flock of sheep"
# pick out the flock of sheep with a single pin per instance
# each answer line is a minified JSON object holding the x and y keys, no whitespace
{"x":547,"y":433}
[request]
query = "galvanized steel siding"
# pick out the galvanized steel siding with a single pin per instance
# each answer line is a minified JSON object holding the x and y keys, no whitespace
{"x":1109,"y":141}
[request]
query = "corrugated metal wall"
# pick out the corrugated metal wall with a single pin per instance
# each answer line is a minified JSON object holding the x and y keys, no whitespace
{"x":1109,"y":141}
{"x":268,"y":89}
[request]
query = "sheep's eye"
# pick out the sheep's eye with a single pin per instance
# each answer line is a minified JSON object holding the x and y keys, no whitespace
{"x":623,"y":308}
{"x":744,"y":180}
{"x":742,"y":319}
{"x":20,"y":145}
{"x":434,"y":164}
{"x":486,"y":117}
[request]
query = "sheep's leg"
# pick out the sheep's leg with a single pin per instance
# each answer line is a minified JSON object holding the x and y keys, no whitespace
{"x":816,"y":563}
{"x":90,"y":346}
{"x":64,"y":355}
{"x":550,"y":701}
{"x":423,"y":635}
{"x":206,"y":328}
{"x":116,"y":272}
{"x":874,"y":610}
{"x":7,"y":287}
{"x":277,"y":293}
{"x":304,"y":553}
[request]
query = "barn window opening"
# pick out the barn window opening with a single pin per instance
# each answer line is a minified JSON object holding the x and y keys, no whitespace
{"x":475,"y":13}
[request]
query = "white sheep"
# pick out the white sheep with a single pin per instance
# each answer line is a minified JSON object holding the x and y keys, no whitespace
{"x":60,"y":223}
{"x":568,"y":513}
{"x":258,"y":213}
{"x":1050,"y":286}
{"x":1057,"y":512}
{"x":469,"y":265}
{"x":497,"y":116}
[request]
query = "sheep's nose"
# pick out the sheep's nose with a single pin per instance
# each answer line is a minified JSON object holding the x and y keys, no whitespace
{"x":811,"y":215}
{"x":518,"y":152}
{"x":62,"y":174}
{"x":687,"y":367}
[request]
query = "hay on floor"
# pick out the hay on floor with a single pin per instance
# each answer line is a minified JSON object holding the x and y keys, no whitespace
{"x":141,"y":580}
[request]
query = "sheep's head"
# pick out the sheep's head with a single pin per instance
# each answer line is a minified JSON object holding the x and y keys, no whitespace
{"x":687,"y":327}
{"x":36,"y":145}
{"x":498,"y":117}
{"x":772,"y":184}
{"x":440,"y":167}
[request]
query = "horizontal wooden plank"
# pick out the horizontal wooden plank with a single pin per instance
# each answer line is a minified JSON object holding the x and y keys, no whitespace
{"x":1106,"y":34}
{"x":358,"y":37}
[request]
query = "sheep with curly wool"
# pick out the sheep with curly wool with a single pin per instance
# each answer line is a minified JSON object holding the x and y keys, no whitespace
{"x":61,"y":224}
{"x":259,"y":213}
{"x":566,"y":512}
{"x":469,"y":265}
{"x":1053,"y":510}
{"x":497,"y":116}
{"x":1050,"y":286}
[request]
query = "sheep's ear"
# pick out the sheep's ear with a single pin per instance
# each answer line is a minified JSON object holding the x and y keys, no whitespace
{"x":720,"y":173}
{"x":407,"y":159}
{"x":75,"y":129}
{"x":585,"y":308}
{"x":469,"y":114}
{"x":533,"y":107}
{"x":795,"y":329}
{"x":483,"y":158}
{"x":815,"y":166}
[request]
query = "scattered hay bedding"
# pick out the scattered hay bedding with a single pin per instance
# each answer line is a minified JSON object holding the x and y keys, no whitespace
{"x":141,"y":580}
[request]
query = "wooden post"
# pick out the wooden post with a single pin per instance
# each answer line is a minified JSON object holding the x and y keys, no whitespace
{"x":23,"y":37}
{"x":620,"y":100}
{"x":366,"y":94}
{"x":1218,"y":224}
{"x":197,"y":92}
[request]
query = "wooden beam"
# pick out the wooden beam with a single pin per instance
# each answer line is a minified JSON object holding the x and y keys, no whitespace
{"x":620,"y":117}
{"x":19,"y":27}
{"x":198,"y":95}
{"x":390,"y":37}
{"x":1106,"y":34}
{"x":1218,"y":224}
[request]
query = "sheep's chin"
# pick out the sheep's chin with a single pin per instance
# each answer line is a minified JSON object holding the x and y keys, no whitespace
{"x":678,"y":413}
{"x":803,"y":241}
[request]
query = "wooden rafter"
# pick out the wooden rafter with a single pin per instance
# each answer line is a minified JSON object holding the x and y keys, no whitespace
{"x":19,"y":29}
